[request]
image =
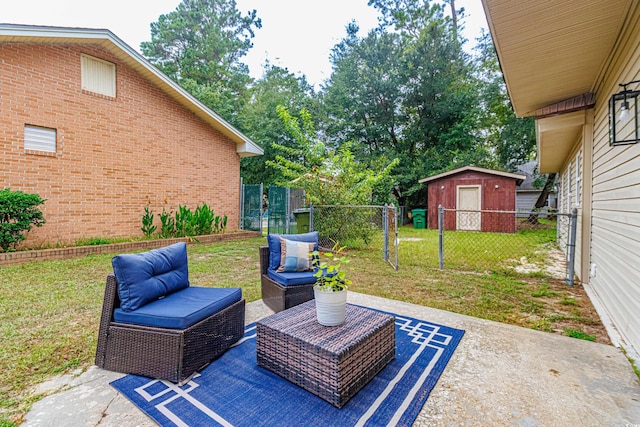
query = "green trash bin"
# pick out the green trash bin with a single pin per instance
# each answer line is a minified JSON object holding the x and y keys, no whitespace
{"x":302,"y":219}
{"x":419,"y":218}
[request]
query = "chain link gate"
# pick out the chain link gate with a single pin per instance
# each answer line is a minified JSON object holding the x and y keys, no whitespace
{"x":251,"y":207}
{"x":283,"y":201}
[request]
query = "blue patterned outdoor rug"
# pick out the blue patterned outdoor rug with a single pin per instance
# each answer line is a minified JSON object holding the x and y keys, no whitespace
{"x":234,"y":391}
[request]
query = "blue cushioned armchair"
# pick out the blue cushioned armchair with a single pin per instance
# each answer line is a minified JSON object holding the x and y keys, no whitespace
{"x":154,"y":324}
{"x":282,"y":290}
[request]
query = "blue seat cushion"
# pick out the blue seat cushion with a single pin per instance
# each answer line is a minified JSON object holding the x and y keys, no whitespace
{"x":180,"y":309}
{"x":273,"y":241}
{"x":292,"y":278}
{"x":147,"y":276}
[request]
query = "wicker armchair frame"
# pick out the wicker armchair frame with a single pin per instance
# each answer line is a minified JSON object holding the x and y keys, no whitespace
{"x":276,"y":296}
{"x":168,"y":354}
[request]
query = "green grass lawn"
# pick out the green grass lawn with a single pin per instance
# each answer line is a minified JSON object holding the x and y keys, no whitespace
{"x":49,"y":310}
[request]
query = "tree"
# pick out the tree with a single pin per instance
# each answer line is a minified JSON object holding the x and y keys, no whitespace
{"x":513,"y":139}
{"x":200,"y":46}
{"x":407,"y":94}
{"x":259,"y":119}
{"x":328,"y":177}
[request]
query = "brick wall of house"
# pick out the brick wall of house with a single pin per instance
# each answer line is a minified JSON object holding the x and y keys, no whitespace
{"x":113,"y":154}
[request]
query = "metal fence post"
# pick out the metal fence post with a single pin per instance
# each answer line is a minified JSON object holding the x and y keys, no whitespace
{"x":395,"y":237}
{"x":572,"y":245}
{"x":311,"y":217}
{"x":287,"y":225}
{"x":241,"y":225}
{"x":441,"y":236}
{"x":385,"y":232}
{"x":261,"y":213}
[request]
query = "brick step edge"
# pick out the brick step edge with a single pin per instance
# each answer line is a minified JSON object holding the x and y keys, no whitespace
{"x":17,"y":257}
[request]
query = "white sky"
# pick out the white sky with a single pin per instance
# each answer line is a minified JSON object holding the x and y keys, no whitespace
{"x":295,"y":34}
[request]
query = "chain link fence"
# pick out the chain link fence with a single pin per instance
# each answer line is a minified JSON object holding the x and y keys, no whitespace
{"x":484,"y":241}
{"x":358,"y":227}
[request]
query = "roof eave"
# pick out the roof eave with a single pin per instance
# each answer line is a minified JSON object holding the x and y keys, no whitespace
{"x":245,"y":147}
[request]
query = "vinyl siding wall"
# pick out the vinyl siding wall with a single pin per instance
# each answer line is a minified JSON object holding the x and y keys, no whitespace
{"x":615,"y":243}
{"x":570,"y":197}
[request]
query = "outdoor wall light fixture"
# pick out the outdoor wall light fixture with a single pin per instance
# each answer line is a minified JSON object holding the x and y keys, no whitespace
{"x":623,"y":116}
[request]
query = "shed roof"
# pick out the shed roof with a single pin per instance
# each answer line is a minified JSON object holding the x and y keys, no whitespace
{"x":13,"y":33}
{"x":517,"y":177}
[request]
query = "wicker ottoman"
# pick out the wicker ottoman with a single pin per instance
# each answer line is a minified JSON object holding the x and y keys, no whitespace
{"x":333,"y":363}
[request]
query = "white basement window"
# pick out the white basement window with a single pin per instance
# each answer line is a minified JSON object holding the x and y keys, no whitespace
{"x":98,"y":76}
{"x":39,"y":139}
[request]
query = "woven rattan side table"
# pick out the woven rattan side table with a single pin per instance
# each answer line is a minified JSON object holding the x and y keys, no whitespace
{"x":332,"y":362}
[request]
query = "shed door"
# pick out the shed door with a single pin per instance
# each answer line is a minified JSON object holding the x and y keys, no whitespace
{"x":468,"y":208}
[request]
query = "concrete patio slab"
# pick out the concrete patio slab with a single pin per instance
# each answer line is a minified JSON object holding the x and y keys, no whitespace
{"x":499,"y":375}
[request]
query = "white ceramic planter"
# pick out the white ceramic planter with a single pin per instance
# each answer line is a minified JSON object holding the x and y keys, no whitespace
{"x":330,"y":306}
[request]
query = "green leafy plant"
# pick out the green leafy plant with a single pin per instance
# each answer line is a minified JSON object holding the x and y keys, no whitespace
{"x":203,"y":219}
{"x":18,"y":214}
{"x":184,"y":222}
{"x":579,"y":335}
{"x":330,"y":275}
{"x":187,"y":223}
{"x":147,"y":222}
{"x":167,"y":224}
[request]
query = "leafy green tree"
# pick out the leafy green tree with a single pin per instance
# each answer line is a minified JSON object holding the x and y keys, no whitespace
{"x":328,"y":177}
{"x":260,"y":121}
{"x":408,"y":93}
{"x":18,"y":214}
{"x":512,"y":139}
{"x":200,"y":46}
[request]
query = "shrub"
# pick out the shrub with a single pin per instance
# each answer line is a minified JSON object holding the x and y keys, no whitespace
{"x":167,"y":225}
{"x":147,"y":223}
{"x":186,"y":223}
{"x":18,"y":213}
{"x":203,"y":219}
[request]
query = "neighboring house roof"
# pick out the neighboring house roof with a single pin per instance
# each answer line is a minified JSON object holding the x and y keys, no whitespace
{"x":517,"y":177}
{"x":12,"y":33}
{"x":528,"y":169}
{"x":552,"y":52}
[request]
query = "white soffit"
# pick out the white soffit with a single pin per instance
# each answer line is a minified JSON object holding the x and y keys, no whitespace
{"x":550,"y":51}
{"x":555,"y":137}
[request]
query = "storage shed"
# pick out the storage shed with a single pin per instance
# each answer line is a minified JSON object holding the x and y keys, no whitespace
{"x":477,"y":199}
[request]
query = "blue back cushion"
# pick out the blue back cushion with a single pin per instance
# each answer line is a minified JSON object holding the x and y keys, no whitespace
{"x":273,"y":240}
{"x":145,"y":277}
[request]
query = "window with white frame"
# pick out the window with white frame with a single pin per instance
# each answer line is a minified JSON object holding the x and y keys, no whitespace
{"x":579,"y":177}
{"x":98,"y":76}
{"x":39,"y":138}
